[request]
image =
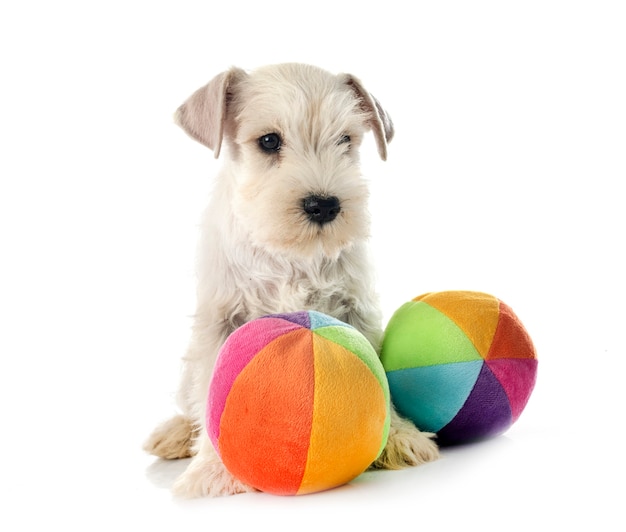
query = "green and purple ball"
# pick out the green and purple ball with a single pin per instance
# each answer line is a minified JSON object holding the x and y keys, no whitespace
{"x":460,"y":364}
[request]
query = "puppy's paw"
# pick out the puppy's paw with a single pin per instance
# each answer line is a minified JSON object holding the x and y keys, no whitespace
{"x":207,"y":478}
{"x":172,"y":439}
{"x":406,"y":446}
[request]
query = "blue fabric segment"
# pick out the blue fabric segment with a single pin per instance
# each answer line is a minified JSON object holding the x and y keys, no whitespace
{"x":431,"y":396}
{"x":324,"y":320}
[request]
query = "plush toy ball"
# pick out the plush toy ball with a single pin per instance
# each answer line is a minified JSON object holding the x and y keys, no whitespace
{"x":298,"y":403}
{"x":459,"y":364}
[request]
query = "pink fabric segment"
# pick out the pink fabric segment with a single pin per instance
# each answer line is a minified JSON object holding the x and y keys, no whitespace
{"x":517,"y":376}
{"x":252,"y":337}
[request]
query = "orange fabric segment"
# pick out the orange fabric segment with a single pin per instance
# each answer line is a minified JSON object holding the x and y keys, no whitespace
{"x":266,"y":423}
{"x":511,"y":339}
{"x":475,"y":313}
{"x":349,"y":417}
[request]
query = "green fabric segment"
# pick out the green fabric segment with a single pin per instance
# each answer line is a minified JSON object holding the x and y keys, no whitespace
{"x":420,"y":335}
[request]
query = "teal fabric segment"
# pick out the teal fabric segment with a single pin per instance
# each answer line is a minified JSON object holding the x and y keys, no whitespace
{"x":431,"y":396}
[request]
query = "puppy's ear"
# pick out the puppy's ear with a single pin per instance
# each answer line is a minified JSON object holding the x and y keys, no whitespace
{"x":204,"y":113}
{"x":380,"y":122}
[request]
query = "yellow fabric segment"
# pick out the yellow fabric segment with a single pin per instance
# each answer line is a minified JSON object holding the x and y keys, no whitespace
{"x":349,"y":414}
{"x":475,"y":313}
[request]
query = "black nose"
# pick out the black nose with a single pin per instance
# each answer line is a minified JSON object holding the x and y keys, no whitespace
{"x":321,"y":209}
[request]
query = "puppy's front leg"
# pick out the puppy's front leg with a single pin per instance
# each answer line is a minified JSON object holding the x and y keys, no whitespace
{"x":176,"y":437}
{"x":206,"y":475}
{"x":406,"y":445}
{"x":172,"y":439}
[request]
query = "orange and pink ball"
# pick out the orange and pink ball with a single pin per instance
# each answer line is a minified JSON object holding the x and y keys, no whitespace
{"x":298,"y":403}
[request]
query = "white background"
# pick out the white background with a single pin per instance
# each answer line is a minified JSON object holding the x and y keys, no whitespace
{"x":506,"y":176}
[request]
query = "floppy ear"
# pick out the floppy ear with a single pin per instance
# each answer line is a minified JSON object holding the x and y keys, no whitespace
{"x":380,"y":122}
{"x":204,"y":113}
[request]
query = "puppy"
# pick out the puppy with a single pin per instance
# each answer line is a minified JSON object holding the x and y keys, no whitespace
{"x":286,"y":230}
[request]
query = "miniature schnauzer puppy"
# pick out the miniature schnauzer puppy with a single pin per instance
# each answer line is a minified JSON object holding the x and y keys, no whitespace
{"x":286,"y":230}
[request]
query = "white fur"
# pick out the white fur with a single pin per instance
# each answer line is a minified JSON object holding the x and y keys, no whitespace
{"x":259,"y":253}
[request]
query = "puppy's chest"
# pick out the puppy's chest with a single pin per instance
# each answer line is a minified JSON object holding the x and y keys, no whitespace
{"x":295,"y":291}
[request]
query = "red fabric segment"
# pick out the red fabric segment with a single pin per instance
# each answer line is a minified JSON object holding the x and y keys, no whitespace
{"x":266,"y":423}
{"x":240,"y":347}
{"x":511,"y":339}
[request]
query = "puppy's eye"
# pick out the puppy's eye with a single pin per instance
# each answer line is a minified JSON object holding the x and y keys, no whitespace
{"x":270,"y":143}
{"x":345,"y":140}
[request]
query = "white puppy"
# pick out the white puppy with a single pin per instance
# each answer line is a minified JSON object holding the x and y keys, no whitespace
{"x":286,"y":230}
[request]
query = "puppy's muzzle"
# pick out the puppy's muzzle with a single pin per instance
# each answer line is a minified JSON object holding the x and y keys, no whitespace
{"x":321,"y":210}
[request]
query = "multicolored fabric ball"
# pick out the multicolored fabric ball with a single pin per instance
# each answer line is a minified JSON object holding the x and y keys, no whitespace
{"x":460,"y":364}
{"x":298,"y":403}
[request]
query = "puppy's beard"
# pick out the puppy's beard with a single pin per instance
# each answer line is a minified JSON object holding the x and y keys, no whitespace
{"x":285,"y":229}
{"x":300,"y":238}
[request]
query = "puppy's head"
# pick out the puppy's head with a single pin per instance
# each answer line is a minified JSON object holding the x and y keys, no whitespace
{"x":293,"y":133}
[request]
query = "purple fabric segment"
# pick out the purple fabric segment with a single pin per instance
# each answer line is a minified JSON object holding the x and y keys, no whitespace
{"x":238,"y":349}
{"x":300,"y":318}
{"x":486,"y":412}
